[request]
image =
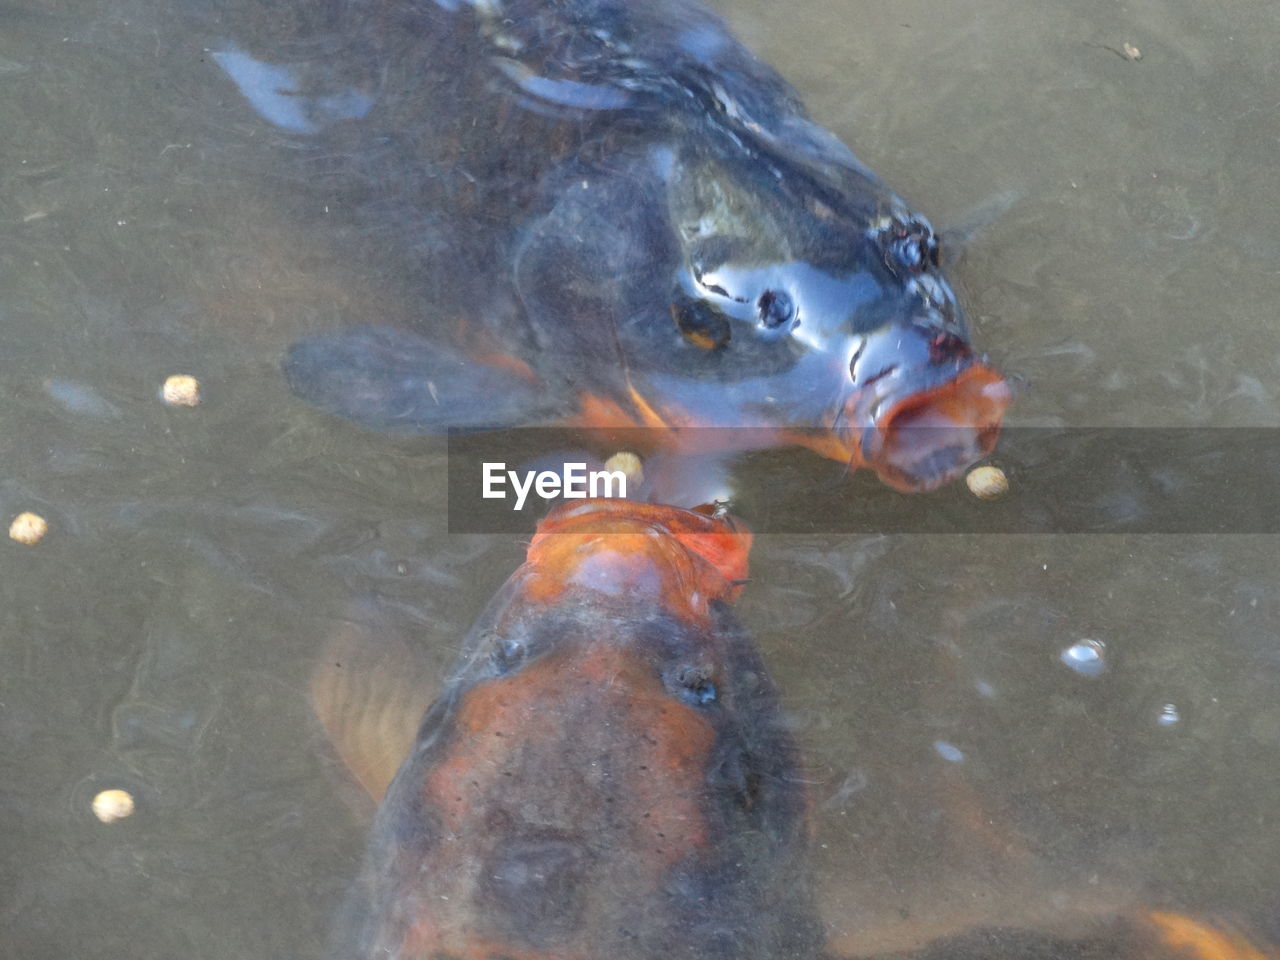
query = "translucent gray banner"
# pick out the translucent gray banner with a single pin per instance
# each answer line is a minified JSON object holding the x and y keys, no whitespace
{"x":1076,"y":480}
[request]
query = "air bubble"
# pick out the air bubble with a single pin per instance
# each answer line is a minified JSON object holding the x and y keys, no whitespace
{"x":1086,"y":657}
{"x":948,"y":752}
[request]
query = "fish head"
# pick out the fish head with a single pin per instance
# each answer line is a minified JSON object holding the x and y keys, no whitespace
{"x":815,"y":300}
{"x":606,"y":776}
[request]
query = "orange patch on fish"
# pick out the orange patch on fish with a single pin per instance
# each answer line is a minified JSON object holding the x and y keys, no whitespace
{"x":505,"y":361}
{"x":1196,"y":939}
{"x":681,"y":559}
{"x":557,"y":705}
{"x":824,"y":444}
{"x":599,"y":412}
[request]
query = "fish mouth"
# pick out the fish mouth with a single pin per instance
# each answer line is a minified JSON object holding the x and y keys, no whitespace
{"x":919,"y":429}
{"x":703,"y":550}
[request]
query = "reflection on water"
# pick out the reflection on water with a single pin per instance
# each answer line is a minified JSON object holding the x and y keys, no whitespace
{"x":969,"y":761}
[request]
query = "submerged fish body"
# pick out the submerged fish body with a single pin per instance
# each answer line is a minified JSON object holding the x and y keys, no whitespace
{"x":607,"y":774}
{"x":618,"y":216}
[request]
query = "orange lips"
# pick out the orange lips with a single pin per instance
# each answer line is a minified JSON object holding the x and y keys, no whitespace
{"x":681,"y":559}
{"x":925,"y":439}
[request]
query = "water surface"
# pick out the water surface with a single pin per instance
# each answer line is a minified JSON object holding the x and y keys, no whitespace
{"x":1000,"y":730}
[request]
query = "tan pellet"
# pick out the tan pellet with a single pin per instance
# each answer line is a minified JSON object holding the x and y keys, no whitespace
{"x":112,"y":805}
{"x":987,"y":483}
{"x":28,"y":528}
{"x":181,"y":390}
{"x":628,"y":464}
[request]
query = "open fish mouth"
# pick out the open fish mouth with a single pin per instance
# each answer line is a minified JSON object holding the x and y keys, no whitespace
{"x":920,"y":425}
{"x":673,"y":551}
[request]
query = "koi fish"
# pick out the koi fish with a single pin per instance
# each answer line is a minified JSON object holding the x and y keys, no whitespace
{"x":608,"y":775}
{"x":614,"y":215}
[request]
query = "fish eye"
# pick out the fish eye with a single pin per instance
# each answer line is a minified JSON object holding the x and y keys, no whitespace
{"x":776,"y":308}
{"x":693,"y":684}
{"x":701,"y":323}
{"x":507,"y":655}
{"x":914,"y":246}
{"x":703,"y":692}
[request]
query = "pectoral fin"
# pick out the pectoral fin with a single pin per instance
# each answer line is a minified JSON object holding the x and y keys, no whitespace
{"x":370,"y":692}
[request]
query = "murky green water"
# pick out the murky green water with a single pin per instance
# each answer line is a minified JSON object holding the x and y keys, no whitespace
{"x":161,"y":638}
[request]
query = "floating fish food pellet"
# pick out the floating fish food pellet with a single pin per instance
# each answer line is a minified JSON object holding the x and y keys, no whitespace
{"x":112,"y":805}
{"x":628,"y":464}
{"x":181,"y":390}
{"x":28,"y":528}
{"x":987,"y":483}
